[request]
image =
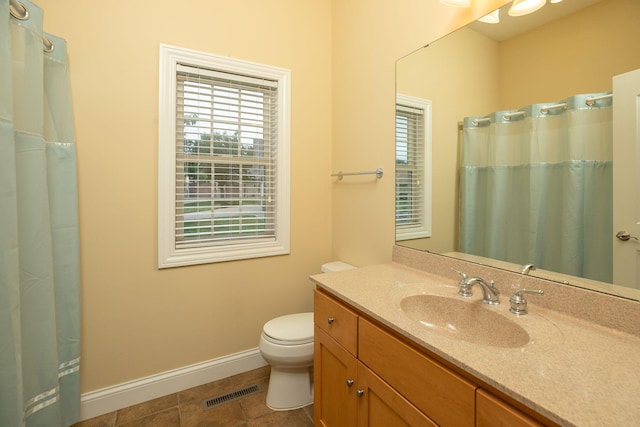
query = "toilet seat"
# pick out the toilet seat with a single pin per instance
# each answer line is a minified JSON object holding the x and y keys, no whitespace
{"x":292,"y":329}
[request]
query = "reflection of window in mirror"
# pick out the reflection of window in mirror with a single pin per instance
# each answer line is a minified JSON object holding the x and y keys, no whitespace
{"x":413,"y":167}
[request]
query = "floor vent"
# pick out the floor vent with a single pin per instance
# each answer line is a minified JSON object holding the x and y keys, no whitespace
{"x":234,"y":395}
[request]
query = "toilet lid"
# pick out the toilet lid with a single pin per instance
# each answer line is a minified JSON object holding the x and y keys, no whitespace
{"x":290,"y":329}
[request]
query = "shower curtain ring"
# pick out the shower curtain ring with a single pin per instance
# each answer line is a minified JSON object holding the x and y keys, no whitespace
{"x":48,"y":45}
{"x":18,"y":10}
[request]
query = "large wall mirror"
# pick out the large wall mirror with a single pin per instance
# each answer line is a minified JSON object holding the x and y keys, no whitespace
{"x":550,"y":72}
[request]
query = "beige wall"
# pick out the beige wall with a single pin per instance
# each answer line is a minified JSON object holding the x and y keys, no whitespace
{"x":367,"y":42}
{"x":598,"y":42}
{"x":138,"y":320}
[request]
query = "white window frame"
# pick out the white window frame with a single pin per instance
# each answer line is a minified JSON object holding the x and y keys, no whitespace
{"x":168,"y":255}
{"x":422,"y":228}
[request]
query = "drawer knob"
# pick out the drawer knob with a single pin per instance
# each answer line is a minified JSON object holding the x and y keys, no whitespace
{"x":330,"y":320}
{"x":360,"y":392}
{"x":350,"y":383}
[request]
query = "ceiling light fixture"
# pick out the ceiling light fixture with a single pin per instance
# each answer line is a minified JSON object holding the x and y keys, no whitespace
{"x":457,"y":3}
{"x":524,"y":7}
{"x":492,"y":18}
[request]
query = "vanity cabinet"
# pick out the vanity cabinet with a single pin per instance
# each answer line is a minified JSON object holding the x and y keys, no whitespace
{"x":365,"y":375}
{"x":335,"y":364}
{"x":492,"y":411}
{"x":379,"y":405}
{"x":444,"y":396}
{"x":334,"y":376}
{"x":346,"y":392}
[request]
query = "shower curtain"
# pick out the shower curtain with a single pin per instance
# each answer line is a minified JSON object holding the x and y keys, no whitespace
{"x":536,"y":186}
{"x":39,"y":249}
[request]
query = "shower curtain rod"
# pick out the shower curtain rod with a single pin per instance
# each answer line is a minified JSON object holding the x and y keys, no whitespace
{"x":20,"y":12}
{"x":591,"y":101}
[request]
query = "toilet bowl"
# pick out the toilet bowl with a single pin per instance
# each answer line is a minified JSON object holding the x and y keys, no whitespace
{"x":286,"y":344}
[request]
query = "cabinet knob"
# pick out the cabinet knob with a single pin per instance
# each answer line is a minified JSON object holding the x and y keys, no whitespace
{"x":350,"y":383}
{"x":330,"y":320}
{"x":360,"y":392}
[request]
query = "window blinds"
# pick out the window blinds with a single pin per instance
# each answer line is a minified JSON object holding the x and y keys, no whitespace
{"x":226,"y":145}
{"x":409,"y":166}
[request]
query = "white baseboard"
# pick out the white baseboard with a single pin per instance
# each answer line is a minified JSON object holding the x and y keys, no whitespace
{"x":120,"y":396}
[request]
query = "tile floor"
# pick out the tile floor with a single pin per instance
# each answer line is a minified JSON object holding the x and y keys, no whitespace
{"x":185,"y":408}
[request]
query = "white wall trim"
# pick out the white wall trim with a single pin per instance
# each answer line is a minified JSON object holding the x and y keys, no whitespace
{"x":423,"y":228}
{"x":109,"y":399}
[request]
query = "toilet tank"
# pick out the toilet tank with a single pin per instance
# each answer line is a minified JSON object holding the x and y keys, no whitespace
{"x":332,"y":267}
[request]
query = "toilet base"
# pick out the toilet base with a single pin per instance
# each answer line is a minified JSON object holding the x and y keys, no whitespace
{"x":290,"y":388}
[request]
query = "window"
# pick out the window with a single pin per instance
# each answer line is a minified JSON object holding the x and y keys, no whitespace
{"x":413,"y":165}
{"x":223,"y":159}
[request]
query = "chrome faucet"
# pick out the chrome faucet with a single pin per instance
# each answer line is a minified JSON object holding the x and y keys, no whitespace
{"x":525,"y":269}
{"x":489,"y":291}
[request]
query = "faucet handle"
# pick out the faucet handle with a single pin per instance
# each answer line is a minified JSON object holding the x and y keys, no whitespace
{"x":495,"y":290}
{"x":464,"y":289}
{"x":518,"y":303}
{"x":461,"y":273}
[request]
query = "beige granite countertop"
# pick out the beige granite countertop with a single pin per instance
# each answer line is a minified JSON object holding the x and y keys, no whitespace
{"x":572,"y":371}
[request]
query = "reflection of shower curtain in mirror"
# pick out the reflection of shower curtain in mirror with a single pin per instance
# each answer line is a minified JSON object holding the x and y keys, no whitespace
{"x":537,"y":187}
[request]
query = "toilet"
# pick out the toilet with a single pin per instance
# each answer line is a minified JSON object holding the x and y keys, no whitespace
{"x":286,"y":344}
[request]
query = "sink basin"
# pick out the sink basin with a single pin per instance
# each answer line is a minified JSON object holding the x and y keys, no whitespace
{"x":469,"y":321}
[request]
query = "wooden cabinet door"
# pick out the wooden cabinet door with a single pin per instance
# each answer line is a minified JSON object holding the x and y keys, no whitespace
{"x":494,"y":412}
{"x":446,"y":397}
{"x":381,"y":406}
{"x":334,"y":383}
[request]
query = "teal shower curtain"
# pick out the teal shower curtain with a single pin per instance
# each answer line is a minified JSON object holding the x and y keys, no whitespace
{"x":536,"y":186}
{"x":39,"y":242}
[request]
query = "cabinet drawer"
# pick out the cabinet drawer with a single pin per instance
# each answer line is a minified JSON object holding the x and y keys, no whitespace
{"x":441,"y":394}
{"x":494,"y":412}
{"x":336,"y":320}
